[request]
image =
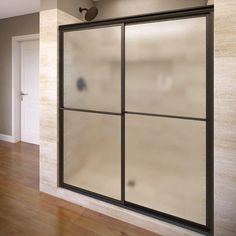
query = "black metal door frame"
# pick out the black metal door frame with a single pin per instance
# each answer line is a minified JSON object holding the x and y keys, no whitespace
{"x":163,"y":16}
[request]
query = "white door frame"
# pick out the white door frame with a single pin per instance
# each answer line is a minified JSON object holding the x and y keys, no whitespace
{"x":16,"y":77}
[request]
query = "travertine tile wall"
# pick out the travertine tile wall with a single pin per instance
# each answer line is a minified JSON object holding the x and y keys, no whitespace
{"x":225,"y":117}
{"x":48,"y":100}
{"x":49,"y":21}
{"x":225,"y":123}
{"x":120,"y":8}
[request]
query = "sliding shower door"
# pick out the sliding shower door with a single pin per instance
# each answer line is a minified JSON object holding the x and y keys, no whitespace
{"x":92,"y":107}
{"x":165,"y":121}
{"x":136,"y":100}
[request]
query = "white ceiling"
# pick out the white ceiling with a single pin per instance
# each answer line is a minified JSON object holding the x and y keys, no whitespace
{"x":10,"y":8}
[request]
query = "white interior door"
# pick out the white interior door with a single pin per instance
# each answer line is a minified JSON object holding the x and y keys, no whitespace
{"x":30,"y":91}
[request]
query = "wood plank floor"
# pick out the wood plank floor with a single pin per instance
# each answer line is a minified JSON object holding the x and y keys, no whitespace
{"x":24,"y":211}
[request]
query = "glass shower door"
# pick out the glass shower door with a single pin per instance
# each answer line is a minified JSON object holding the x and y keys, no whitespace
{"x":92,"y":108}
{"x":166,"y":117}
{"x":136,"y":119}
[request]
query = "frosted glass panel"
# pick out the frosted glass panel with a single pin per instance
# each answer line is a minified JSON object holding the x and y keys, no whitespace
{"x":92,"y":69}
{"x":166,"y":165}
{"x":166,"y":67}
{"x":92,"y":152}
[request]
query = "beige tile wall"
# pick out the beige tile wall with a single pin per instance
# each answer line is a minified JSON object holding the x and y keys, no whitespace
{"x":225,"y":117}
{"x":225,"y":123}
{"x":50,"y":19}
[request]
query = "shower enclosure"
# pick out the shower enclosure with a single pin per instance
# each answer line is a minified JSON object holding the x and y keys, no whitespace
{"x":136,"y":114}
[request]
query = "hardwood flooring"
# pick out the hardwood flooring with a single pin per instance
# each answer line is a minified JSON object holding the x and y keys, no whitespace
{"x":24,"y":211}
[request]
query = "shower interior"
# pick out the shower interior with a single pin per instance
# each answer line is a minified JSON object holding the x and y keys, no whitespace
{"x":134,"y":110}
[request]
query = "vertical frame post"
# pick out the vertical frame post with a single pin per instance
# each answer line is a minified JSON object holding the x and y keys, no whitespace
{"x":210,"y":122}
{"x":60,"y":109}
{"x":123,"y":113}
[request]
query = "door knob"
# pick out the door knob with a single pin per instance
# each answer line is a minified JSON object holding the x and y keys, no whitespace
{"x":23,"y":94}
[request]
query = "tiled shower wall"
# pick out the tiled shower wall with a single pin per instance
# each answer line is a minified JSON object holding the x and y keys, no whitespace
{"x":225,"y":124}
{"x":225,"y":117}
{"x":49,"y":21}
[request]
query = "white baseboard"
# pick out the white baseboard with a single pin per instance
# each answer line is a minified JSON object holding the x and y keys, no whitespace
{"x":7,"y":138}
